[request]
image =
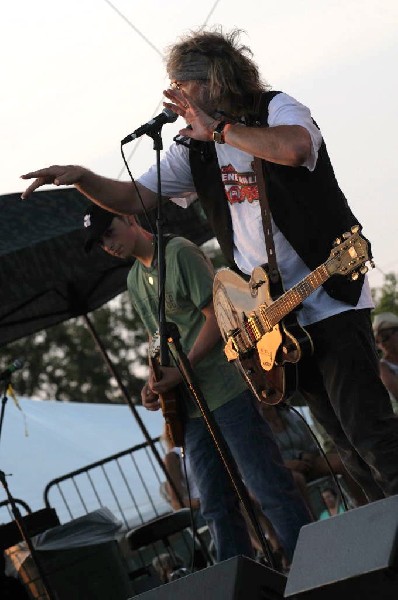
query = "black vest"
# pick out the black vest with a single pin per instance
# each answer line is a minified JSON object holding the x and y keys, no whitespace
{"x":308,"y":207}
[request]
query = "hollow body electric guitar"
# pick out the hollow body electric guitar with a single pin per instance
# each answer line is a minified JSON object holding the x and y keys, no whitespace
{"x":262,"y":336}
{"x":169,"y":401}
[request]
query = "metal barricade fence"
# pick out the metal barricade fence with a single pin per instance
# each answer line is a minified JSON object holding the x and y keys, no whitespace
{"x":6,"y":513}
{"x":128,"y":483}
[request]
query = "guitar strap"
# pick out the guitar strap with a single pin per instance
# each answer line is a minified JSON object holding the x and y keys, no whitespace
{"x":182,"y":395}
{"x":262,"y":103}
{"x":273,"y":271}
{"x":166,"y":238}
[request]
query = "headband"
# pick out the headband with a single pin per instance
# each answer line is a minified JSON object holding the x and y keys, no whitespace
{"x":192,"y":66}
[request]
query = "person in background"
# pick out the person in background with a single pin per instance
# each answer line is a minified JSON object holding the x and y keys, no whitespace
{"x":169,"y":568}
{"x":188,"y":292}
{"x":385,"y":327}
{"x":301,"y":453}
{"x":332,"y":503}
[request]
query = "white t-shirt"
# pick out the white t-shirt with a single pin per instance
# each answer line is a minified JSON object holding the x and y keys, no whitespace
{"x":241,"y":190}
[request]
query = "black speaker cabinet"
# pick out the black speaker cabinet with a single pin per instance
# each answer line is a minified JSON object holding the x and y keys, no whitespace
{"x":237,"y":578}
{"x":352,"y":555}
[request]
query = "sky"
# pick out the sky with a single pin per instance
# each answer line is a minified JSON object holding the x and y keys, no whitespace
{"x":42,"y":440}
{"x":78,"y":76}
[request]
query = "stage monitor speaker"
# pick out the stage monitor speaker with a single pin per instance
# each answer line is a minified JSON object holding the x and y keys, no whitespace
{"x":34,"y":523}
{"x":351,"y":555}
{"x":237,"y":578}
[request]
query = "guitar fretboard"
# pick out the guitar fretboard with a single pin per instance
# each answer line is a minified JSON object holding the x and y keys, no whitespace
{"x":274,"y":313}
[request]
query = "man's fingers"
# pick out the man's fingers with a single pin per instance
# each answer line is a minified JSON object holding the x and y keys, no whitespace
{"x":41,"y":177}
{"x":32,"y":174}
{"x":175,"y":108}
{"x":48,"y":172}
{"x":151,"y":405}
{"x":149,"y":400}
{"x":56,"y":175}
{"x":33,"y":186}
{"x":179,"y":101}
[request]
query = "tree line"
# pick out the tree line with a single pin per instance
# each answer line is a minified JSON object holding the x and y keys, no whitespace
{"x":63,"y":362}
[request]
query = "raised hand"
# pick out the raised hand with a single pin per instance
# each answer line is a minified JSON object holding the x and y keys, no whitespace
{"x":56,"y":174}
{"x":202,"y":124}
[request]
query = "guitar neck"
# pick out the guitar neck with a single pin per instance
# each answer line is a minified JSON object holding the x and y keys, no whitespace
{"x":274,"y":313}
{"x":155,"y":366}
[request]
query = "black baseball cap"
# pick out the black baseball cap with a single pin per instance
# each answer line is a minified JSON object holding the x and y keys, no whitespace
{"x":96,"y":221}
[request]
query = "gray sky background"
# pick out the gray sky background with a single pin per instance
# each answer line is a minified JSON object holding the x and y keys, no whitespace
{"x":78,"y":76}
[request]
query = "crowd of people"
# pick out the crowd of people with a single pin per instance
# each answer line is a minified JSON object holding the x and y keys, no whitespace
{"x":233,"y":116}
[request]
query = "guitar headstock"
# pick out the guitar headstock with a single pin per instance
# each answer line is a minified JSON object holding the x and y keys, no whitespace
{"x":349,"y":255}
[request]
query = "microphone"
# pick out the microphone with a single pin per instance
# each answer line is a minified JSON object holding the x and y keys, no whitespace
{"x":166,"y":116}
{"x":14,"y":366}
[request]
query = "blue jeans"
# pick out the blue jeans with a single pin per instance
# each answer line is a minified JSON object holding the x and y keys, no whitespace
{"x":261,"y":466}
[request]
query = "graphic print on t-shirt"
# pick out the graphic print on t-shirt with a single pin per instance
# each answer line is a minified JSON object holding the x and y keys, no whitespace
{"x":239,"y":186}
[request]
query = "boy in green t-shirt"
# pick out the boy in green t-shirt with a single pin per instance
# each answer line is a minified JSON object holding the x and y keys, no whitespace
{"x":188,"y":294}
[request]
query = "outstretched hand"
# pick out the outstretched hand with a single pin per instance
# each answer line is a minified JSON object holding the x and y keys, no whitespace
{"x":56,"y":174}
{"x":201,"y":124}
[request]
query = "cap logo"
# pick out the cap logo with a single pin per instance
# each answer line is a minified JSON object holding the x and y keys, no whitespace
{"x":87,"y":221}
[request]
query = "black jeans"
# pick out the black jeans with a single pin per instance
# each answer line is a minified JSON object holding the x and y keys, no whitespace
{"x":343,"y":389}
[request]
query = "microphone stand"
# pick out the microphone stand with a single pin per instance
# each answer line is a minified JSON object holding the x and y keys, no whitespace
{"x":25,"y":536}
{"x":169,"y":331}
{"x":14,"y":507}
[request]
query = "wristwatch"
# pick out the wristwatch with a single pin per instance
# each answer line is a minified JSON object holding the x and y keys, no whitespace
{"x":218,"y":133}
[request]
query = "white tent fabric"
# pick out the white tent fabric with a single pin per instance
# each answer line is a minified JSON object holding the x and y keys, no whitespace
{"x":62,"y":437}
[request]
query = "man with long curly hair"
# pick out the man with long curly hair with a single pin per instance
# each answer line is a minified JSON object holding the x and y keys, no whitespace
{"x":232,"y":117}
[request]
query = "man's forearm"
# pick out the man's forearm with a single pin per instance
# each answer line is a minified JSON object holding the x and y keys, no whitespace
{"x":285,"y":144}
{"x":117,"y":196}
{"x":207,"y":338}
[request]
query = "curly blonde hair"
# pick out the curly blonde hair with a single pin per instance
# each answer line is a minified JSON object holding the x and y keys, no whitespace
{"x":232,"y":75}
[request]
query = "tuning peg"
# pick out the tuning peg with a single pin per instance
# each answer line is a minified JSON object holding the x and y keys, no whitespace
{"x":363,"y":270}
{"x":346,"y":235}
{"x":372,"y":264}
{"x":355,"y":229}
{"x":337,"y":241}
{"x":354,"y":276}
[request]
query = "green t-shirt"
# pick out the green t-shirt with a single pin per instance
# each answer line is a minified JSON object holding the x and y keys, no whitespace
{"x":189,"y":288}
